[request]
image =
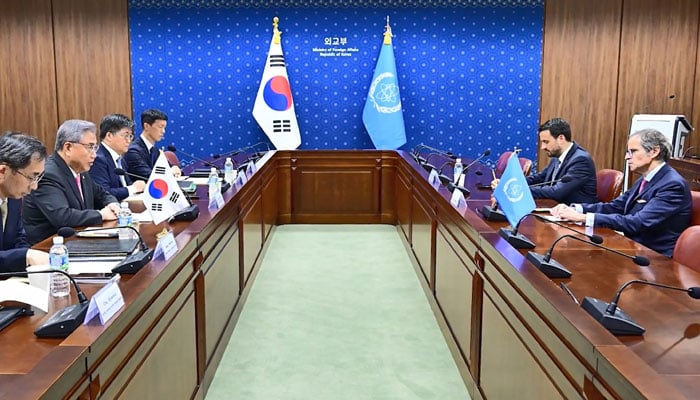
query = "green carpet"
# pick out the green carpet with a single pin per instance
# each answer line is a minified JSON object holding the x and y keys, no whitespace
{"x":336,"y":312}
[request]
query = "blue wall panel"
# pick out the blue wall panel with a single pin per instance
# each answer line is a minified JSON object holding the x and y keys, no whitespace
{"x":469,"y":71}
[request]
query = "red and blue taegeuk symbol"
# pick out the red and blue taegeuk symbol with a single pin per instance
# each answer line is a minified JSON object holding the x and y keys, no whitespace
{"x":158,"y":188}
{"x":277,"y":93}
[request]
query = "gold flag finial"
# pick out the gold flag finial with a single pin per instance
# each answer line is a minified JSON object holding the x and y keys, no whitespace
{"x":387,"y":33}
{"x":275,"y":32}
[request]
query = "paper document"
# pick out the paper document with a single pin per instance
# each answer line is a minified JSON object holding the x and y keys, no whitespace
{"x":12,"y":290}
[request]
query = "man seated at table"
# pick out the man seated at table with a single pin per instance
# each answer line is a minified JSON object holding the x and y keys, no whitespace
{"x":21,"y":168}
{"x":567,"y":159}
{"x":142,"y":153}
{"x":67,"y":195}
{"x":116,"y":132}
{"x":655,"y":210}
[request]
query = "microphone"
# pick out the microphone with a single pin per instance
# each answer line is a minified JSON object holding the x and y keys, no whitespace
{"x":685,"y":153}
{"x":454,"y":185}
{"x":122,"y":172}
{"x":428,"y":166}
{"x":563,"y":179}
{"x":617,"y":321}
{"x":485,"y":153}
{"x":132,"y":263}
{"x":198,"y":172}
{"x":552,"y":268}
{"x":493,"y":213}
{"x":416,"y":152}
{"x":66,"y":320}
{"x":444,"y":179}
{"x":517,"y":240}
{"x":186,"y":214}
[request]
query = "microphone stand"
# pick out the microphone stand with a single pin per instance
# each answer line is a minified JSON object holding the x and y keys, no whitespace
{"x":65,"y":321}
{"x":132,"y":263}
{"x":516,"y":239}
{"x":617,"y":321}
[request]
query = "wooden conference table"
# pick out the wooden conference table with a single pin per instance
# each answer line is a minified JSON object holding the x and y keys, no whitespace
{"x":513,"y":331}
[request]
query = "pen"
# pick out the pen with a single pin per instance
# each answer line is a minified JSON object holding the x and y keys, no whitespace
{"x":493,"y":173}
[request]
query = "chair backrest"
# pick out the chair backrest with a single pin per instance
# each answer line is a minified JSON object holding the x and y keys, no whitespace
{"x":609,"y":184}
{"x":695,"y":216}
{"x":686,"y":249}
{"x":172,"y":158}
{"x":525,"y":164}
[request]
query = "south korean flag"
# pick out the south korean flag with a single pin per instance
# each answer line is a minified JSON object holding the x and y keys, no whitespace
{"x":163,"y":196}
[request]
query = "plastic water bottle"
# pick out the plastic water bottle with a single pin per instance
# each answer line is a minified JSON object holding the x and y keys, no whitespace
{"x":58,"y":259}
{"x":214,"y":186}
{"x":125,"y":219}
{"x":458,"y":170}
{"x":229,"y":175}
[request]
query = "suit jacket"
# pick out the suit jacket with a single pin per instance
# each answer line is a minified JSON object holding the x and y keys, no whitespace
{"x":57,"y":201}
{"x":656,"y":217}
{"x":13,"y":239}
{"x":102,"y":172}
{"x":578,"y":165}
{"x":138,"y":159}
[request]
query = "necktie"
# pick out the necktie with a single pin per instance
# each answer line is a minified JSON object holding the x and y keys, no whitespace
{"x":641,"y":185}
{"x":557,"y":164}
{"x":122,"y":178}
{"x":3,"y":209}
{"x":80,"y":187}
{"x":154,"y":155}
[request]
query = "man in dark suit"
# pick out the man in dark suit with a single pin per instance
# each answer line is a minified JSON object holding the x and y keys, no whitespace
{"x":67,"y":195}
{"x":655,"y":210}
{"x":567,"y":159}
{"x":21,"y":168}
{"x":142,"y":153}
{"x":116,"y":132}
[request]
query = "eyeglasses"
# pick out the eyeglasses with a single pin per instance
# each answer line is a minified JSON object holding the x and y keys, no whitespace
{"x":127,"y":136}
{"x":32,"y":179}
{"x":91,"y":147}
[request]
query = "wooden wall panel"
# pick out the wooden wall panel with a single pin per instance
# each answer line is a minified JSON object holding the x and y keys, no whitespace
{"x":92,"y":58}
{"x":658,"y":49}
{"x":579,"y":72}
{"x":27,"y":75}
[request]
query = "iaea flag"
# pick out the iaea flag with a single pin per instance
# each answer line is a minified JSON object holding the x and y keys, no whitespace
{"x":382,"y":114}
{"x":512,"y":193}
{"x":274,"y":106}
{"x":163,"y":196}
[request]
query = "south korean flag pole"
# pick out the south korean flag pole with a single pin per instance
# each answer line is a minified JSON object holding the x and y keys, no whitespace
{"x":163,"y":196}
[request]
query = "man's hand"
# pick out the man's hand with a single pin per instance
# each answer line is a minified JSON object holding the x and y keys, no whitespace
{"x":568,"y":213}
{"x":176,"y":171}
{"x":37,"y":257}
{"x":138,"y":186}
{"x":110,"y":212}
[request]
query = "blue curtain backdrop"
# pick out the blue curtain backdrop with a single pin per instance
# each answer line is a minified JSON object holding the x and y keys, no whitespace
{"x":469,"y":71}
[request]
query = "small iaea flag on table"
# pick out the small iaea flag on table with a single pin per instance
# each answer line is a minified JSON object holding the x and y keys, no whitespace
{"x":382,"y":114}
{"x":512,"y":192}
{"x":274,"y":107}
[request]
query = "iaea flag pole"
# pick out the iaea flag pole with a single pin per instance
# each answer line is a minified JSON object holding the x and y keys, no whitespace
{"x":274,"y":106}
{"x":382,"y":115}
